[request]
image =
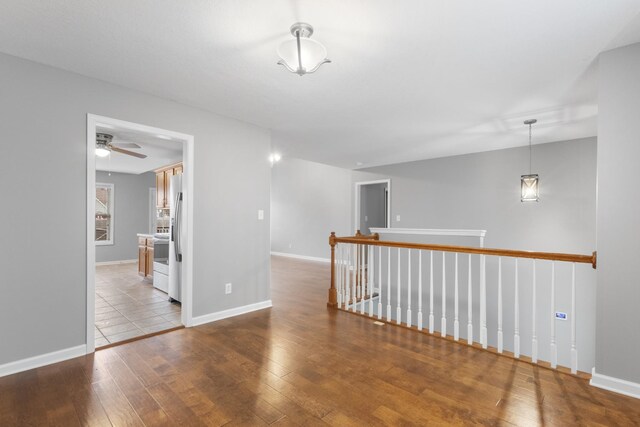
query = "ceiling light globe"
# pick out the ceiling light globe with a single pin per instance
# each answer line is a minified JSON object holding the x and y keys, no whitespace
{"x":102,"y":152}
{"x":312,"y":55}
{"x":302,"y":55}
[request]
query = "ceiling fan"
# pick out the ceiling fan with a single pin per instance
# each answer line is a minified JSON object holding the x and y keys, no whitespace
{"x":104,"y":146}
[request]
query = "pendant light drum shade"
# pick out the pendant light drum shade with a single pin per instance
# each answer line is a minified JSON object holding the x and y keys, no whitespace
{"x":529,"y":188}
{"x":302,"y":55}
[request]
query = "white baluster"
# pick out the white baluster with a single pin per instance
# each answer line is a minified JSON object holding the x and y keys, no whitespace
{"x":483,"y":301}
{"x":470,"y":308}
{"x":398,"y":309}
{"x":371,"y":276}
{"x":419,"y":290}
{"x":380,"y":282}
{"x":500,"y":335}
{"x":516,"y":329}
{"x":574,"y":350}
{"x":534,"y":335}
{"x":409,"y":287}
{"x":443,"y":327}
{"x":338,"y":270}
{"x":347,"y":274}
{"x":354,"y":295}
{"x":364,"y":273}
{"x":554,"y":350}
{"x":456,"y":323}
{"x":431,"y":317}
{"x":389,"y":284}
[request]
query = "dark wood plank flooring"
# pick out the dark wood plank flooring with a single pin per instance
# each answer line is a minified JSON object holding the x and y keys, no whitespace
{"x":300,"y":363}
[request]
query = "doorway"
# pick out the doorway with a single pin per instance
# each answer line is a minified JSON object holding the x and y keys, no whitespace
{"x":372,"y":205}
{"x":136,"y":300}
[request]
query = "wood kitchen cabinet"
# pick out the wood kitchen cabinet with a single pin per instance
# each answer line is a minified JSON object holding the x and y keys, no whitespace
{"x":163,"y":181}
{"x":145,"y":256}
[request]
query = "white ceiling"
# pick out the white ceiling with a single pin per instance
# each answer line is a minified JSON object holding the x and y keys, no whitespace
{"x":410,"y":79}
{"x":160,"y":152}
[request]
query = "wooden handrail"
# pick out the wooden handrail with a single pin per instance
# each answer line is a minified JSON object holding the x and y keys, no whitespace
{"x":374,"y":236}
{"x":552,"y":256}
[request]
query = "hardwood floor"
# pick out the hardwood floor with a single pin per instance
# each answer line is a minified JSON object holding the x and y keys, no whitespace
{"x":300,"y":363}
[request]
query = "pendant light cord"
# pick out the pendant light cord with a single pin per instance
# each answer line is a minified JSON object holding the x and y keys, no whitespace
{"x":529,"y":148}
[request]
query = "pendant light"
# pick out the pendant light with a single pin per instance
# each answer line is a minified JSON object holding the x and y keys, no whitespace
{"x":302,"y":55}
{"x":529,"y":183}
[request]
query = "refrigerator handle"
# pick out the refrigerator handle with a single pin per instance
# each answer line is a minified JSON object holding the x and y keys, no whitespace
{"x":178,"y":225}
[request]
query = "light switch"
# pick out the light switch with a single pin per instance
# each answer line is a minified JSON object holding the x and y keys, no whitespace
{"x":398,"y":218}
{"x":260,"y":214}
{"x":366,"y":218}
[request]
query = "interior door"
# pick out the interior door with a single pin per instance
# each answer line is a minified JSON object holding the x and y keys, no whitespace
{"x":373,"y":207}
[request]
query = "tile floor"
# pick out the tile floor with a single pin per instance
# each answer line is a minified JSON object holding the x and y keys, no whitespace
{"x":128,"y":306}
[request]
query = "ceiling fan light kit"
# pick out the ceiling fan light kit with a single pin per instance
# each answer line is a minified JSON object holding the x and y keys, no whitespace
{"x":302,"y":55}
{"x":104,"y":146}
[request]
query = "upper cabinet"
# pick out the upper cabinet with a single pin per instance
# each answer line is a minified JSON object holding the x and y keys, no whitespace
{"x":163,"y":179}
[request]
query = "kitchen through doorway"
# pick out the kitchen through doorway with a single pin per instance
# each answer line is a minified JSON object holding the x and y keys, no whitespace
{"x":138,"y":250}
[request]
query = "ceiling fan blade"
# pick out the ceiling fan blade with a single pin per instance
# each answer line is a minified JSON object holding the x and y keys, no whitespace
{"x":126,"y":145}
{"x":128,"y":153}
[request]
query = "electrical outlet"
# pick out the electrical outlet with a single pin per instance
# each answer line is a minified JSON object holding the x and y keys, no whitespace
{"x":227,"y":288}
{"x":260,"y":214}
{"x":398,"y":218}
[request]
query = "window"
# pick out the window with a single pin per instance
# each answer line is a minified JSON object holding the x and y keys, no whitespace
{"x":104,"y":214}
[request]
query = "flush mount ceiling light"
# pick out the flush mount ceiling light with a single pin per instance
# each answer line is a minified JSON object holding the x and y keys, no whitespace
{"x":302,"y":55}
{"x":529,"y":183}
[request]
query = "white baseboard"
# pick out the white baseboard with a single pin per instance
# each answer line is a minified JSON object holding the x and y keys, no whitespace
{"x":304,"y":257}
{"x":42,"y":360}
{"x":212,"y":317}
{"x":125,"y":261}
{"x":617,"y":385}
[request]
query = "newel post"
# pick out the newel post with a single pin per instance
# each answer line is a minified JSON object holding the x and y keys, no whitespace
{"x":333,"y":293}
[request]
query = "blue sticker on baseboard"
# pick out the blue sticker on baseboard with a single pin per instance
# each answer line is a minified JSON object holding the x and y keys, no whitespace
{"x":561,"y":316}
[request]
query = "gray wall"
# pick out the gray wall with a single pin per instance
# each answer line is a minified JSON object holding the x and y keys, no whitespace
{"x":308,"y":201}
{"x":618,"y":333}
{"x":131,"y":214}
{"x":372,"y":207}
{"x":482,"y":191}
{"x":43,"y":256}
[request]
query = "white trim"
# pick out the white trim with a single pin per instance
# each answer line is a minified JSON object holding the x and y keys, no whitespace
{"x":91,"y":232}
{"x":616,"y":385}
{"x":152,"y":211}
{"x":357,"y":199}
{"x":42,"y":360}
{"x":124,"y":261}
{"x":212,"y":317}
{"x":188,"y":174}
{"x":431,"y":232}
{"x":304,"y":257}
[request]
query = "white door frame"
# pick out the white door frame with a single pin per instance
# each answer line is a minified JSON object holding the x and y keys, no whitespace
{"x":356,"y":222}
{"x":152,"y":210}
{"x":187,"y":270}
